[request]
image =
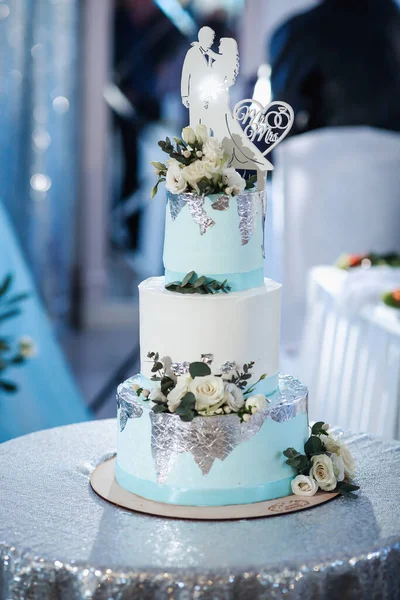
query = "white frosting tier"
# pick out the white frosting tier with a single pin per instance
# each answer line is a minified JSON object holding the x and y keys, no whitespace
{"x":237,"y":327}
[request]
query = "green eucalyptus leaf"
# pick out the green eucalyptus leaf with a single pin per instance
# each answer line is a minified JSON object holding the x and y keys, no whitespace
{"x":6,"y":283}
{"x":200,"y":281}
{"x":187,"y":278}
{"x":290,"y":452}
{"x":9,"y":314}
{"x":188,"y":416}
{"x":317,"y":428}
{"x":8,"y":386}
{"x":199,"y":369}
{"x":314,"y":446}
{"x":18,"y":360}
{"x":160,"y":408}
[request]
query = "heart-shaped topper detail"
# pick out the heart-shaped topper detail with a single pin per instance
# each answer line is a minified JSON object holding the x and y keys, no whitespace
{"x":269,"y":124}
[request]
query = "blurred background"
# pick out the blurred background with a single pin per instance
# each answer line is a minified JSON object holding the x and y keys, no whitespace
{"x":88,"y":87}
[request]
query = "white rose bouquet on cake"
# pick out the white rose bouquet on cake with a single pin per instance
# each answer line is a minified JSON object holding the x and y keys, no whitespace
{"x":326,"y":464}
{"x":191,"y":390}
{"x":198,"y":164}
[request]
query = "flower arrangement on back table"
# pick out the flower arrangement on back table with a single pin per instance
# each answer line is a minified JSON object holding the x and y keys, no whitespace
{"x":326,"y":464}
{"x":392,"y":299}
{"x":191,"y":390}
{"x":12,"y":354}
{"x":198,"y":164}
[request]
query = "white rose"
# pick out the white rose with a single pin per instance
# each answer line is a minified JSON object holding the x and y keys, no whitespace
{"x":232,"y":179}
{"x":322,"y":472}
{"x":212,"y":150}
{"x":175,"y":396}
{"x":175,"y":181}
{"x":209,"y":391}
{"x":201,"y":133}
{"x":304,"y":486}
{"x":145,"y":393}
{"x":194,"y":172}
{"x":27,"y":347}
{"x":233,"y":396}
{"x":338,"y":466}
{"x":188,"y":135}
{"x":256,"y":403}
{"x":348,"y":461}
{"x":135,"y":387}
{"x":331,"y":444}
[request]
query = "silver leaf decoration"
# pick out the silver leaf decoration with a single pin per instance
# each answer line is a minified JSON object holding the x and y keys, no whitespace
{"x":207,"y":358}
{"x":211,"y":438}
{"x":247,"y":211}
{"x":127,"y":410}
{"x":263,"y":198}
{"x":180,"y":368}
{"x":198,"y":212}
{"x":228,"y":366}
{"x":176,"y":203}
{"x":221,"y":203}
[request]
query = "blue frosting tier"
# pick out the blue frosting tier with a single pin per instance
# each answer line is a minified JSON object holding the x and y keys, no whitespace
{"x":217,"y":237}
{"x":203,"y":497}
{"x":210,"y":461}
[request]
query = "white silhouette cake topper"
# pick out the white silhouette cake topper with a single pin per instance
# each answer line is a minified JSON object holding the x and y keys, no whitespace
{"x":206,"y":79}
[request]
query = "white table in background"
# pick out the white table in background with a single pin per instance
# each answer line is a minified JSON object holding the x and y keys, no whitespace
{"x":351,"y":362}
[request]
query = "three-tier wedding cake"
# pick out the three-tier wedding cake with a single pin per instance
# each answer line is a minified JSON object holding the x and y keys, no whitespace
{"x":207,"y":419}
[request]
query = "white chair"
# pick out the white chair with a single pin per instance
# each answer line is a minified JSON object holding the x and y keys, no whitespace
{"x":334,"y":190}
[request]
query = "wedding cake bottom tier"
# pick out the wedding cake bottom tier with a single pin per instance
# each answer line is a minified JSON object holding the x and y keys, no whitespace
{"x":210,"y":461}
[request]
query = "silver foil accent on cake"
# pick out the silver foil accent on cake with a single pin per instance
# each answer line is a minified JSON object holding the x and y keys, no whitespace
{"x":221,"y":203}
{"x":176,"y":203}
{"x":197,"y":210}
{"x":127,"y":410}
{"x":195,"y":205}
{"x":248,"y":206}
{"x":211,"y":438}
{"x":247,"y":211}
{"x":207,"y":358}
{"x":180,"y":368}
{"x":228,"y":366}
{"x":263,"y":198}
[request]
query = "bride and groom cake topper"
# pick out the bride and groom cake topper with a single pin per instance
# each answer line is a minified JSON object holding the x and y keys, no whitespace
{"x":207,"y":77}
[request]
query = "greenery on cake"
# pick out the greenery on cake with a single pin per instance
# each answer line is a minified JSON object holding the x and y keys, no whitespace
{"x":350,"y":261}
{"x":392,"y":299}
{"x":198,"y":164}
{"x":13,"y":353}
{"x":326,"y":464}
{"x":193,"y":284}
{"x":190,"y":390}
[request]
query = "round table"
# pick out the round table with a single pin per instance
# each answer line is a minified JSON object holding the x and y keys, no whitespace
{"x":58,"y":539}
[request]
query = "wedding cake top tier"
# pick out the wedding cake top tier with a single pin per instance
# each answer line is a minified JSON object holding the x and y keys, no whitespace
{"x":215,"y":215}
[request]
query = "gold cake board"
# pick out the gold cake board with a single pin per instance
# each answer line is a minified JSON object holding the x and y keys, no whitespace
{"x":105,"y":485}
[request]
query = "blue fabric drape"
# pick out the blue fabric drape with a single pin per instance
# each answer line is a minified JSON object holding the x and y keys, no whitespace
{"x":39,"y":129}
{"x":47,"y":395}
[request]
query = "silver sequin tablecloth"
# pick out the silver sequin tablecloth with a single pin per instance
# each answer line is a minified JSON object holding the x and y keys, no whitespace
{"x":59,"y":540}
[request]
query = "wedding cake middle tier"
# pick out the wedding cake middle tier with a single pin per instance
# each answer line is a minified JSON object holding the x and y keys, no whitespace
{"x":225,"y":330}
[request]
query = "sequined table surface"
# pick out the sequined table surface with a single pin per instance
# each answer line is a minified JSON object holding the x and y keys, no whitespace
{"x":58,"y":539}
